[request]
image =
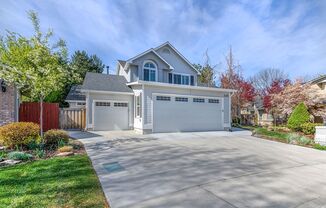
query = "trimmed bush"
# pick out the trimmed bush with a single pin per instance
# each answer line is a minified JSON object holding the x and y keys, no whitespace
{"x":65,"y":149}
{"x":19,"y":134}
{"x":54,"y":137}
{"x":19,"y":156}
{"x":309,"y":128}
{"x":299,"y":116}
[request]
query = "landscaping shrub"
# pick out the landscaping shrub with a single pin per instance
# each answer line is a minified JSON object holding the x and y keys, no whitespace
{"x":19,"y":134}
{"x":319,"y":147}
{"x":19,"y":156}
{"x":299,"y":116}
{"x":54,"y":137}
{"x":309,"y":128}
{"x":298,"y":139}
{"x":65,"y":149}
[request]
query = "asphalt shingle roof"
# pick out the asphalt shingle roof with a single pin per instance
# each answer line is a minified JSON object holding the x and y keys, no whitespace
{"x":104,"y":82}
{"x":75,"y":94}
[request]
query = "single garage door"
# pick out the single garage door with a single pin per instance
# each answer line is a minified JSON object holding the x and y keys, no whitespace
{"x":110,"y":115}
{"x":182,"y":113}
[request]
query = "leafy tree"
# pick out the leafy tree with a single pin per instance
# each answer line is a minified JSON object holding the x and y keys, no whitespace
{"x":81,"y":63}
{"x":36,"y":67}
{"x":299,"y":116}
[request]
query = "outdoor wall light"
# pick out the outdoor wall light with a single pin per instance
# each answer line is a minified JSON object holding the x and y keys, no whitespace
{"x":3,"y":86}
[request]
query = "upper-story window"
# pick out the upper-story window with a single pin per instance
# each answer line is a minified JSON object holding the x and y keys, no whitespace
{"x":150,"y":71}
{"x":183,"y":79}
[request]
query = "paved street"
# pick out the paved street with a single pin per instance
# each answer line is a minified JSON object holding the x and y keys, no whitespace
{"x":205,"y":169}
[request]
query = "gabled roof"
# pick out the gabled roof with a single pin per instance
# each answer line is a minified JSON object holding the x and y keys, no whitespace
{"x":148,"y":51}
{"x":105,"y":82}
{"x":184,"y":58}
{"x":75,"y":94}
{"x":318,"y":79}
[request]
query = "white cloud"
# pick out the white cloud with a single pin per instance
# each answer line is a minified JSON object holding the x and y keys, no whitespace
{"x":263,"y":34}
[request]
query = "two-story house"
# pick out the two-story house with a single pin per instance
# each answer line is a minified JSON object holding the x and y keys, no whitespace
{"x":155,"y":91}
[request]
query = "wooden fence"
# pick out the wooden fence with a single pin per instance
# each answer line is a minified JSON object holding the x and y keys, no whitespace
{"x":72,"y":118}
{"x":30,"y":112}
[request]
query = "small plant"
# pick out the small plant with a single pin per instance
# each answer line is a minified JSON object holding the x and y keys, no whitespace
{"x":65,"y":149}
{"x":3,"y":154}
{"x":319,"y":146}
{"x":298,"y":139}
{"x":54,"y":138}
{"x":309,"y":128}
{"x":299,"y":116}
{"x":19,"y":134}
{"x":19,"y":156}
{"x":39,"y":153}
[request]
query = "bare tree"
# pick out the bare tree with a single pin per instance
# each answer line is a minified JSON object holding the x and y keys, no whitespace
{"x":265,"y":78}
{"x":207,"y":71}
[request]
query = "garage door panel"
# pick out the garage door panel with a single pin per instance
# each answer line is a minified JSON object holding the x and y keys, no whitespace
{"x":113,"y":116}
{"x":173,"y":116}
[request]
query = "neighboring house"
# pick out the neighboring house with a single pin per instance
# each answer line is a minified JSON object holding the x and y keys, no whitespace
{"x":155,"y":91}
{"x":317,"y":90}
{"x":255,"y":114}
{"x":9,"y":103}
{"x":75,"y":98}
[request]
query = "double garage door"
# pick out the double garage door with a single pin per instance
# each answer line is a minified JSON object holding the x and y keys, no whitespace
{"x":185,"y":113}
{"x":110,"y":115}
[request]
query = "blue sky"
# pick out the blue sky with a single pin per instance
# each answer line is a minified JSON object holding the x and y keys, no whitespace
{"x":290,"y":35}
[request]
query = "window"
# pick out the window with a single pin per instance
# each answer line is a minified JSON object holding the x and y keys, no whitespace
{"x":102,"y":104}
{"x":170,"y":78}
{"x":149,"y":71}
{"x":179,"y":79}
{"x":80,"y":103}
{"x":181,"y":99}
{"x":138,"y":105}
{"x":120,"y":104}
{"x":192,"y":80}
{"x":198,"y":100}
{"x":163,"y":98}
{"x":213,"y":101}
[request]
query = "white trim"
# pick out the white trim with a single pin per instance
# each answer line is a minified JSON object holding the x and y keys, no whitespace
{"x":120,"y":101}
{"x":107,"y":92}
{"x":183,"y":95}
{"x":175,"y":50}
{"x":182,"y":74}
{"x":148,"y":51}
{"x":150,"y":69}
{"x":180,"y":95}
{"x":87,"y":111}
{"x":190,"y":87}
{"x":75,"y":101}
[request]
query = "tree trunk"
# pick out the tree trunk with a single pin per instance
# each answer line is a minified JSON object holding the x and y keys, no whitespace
{"x":41,"y":116}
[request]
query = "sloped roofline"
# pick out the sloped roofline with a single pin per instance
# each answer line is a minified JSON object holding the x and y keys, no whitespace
{"x":184,"y":58}
{"x":146,"y":52}
{"x":318,"y":79}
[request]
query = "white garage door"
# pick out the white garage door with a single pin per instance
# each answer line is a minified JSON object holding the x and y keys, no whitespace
{"x":110,"y":115}
{"x":182,"y":113}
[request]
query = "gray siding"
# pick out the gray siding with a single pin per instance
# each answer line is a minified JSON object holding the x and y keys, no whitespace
{"x":159,"y":63}
{"x":115,"y":97}
{"x":134,"y":74}
{"x":178,"y":63}
{"x":149,"y":90}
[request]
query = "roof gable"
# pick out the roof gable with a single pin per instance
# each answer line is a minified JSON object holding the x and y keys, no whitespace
{"x":178,"y":53}
{"x":149,"y":51}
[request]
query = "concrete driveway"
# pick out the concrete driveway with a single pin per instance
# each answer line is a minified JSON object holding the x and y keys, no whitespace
{"x":207,"y":169}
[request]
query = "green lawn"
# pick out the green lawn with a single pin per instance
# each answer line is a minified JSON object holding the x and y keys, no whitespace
{"x":57,"y":182}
